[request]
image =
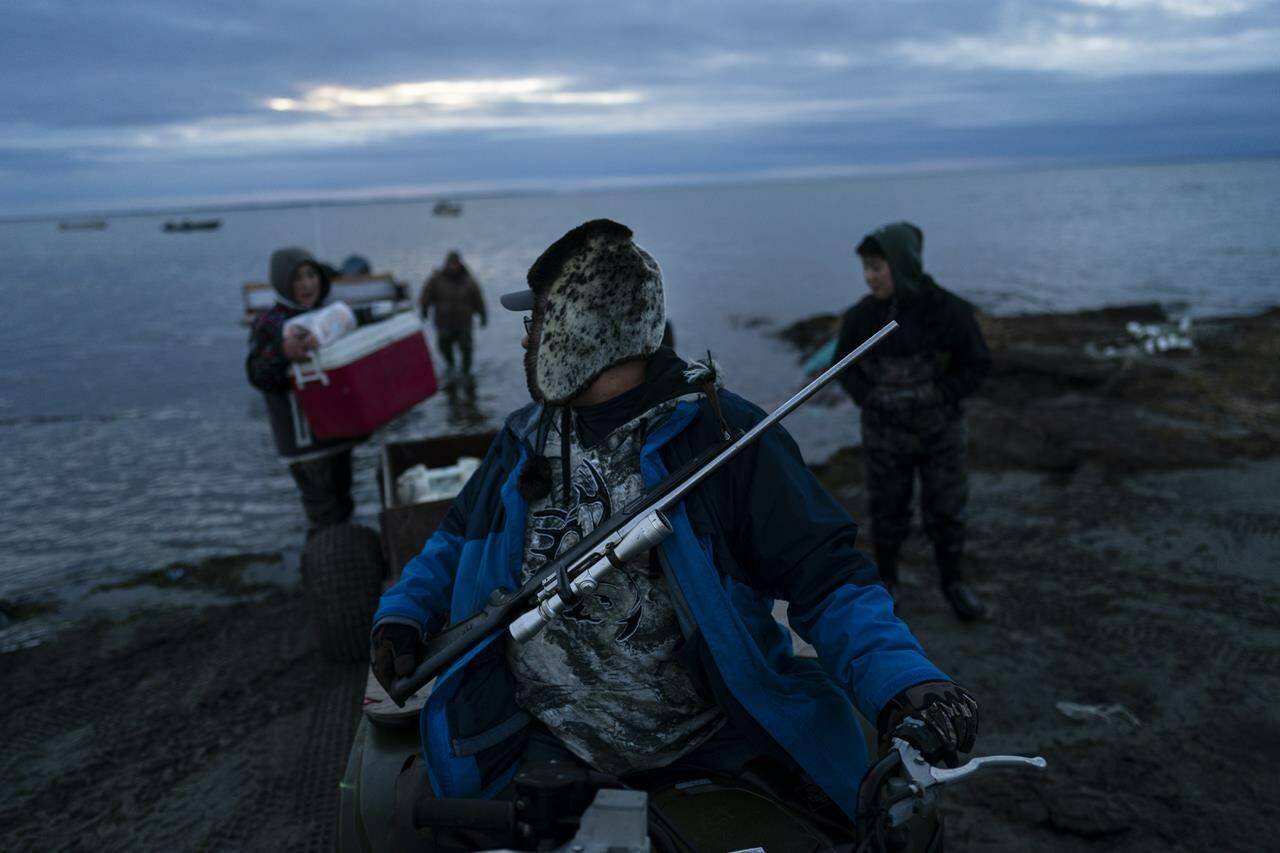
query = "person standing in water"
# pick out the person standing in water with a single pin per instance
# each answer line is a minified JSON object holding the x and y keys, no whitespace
{"x":321,"y":469}
{"x":909,"y":390}
{"x":456,"y":297}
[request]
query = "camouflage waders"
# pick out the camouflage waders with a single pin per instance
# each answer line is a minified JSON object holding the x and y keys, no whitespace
{"x":907,"y":427}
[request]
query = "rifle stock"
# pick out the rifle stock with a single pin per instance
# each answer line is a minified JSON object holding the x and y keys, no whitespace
{"x":449,"y":646}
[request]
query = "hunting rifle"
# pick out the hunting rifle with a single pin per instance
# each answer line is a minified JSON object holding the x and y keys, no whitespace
{"x":641,"y":525}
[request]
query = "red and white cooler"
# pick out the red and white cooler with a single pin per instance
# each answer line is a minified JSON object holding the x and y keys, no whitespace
{"x":366,"y":378}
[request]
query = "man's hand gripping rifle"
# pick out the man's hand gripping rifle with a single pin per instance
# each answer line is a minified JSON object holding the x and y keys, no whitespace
{"x":640,"y":526}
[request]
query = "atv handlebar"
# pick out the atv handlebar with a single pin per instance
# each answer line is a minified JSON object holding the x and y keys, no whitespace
{"x":898,"y":799}
{"x":899,"y":788}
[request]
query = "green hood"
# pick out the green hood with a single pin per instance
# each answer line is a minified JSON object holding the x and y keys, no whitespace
{"x":902,"y":245}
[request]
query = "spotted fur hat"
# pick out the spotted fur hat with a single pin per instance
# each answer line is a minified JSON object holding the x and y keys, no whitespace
{"x":597,"y":302}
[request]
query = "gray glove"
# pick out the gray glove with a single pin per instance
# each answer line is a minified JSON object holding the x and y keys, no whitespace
{"x":949,"y":712}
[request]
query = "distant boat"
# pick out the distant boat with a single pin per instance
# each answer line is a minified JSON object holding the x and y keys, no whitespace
{"x":82,"y":225}
{"x":192,"y":225}
{"x":445,"y":207}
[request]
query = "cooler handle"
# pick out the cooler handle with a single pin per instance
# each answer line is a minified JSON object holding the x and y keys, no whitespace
{"x":301,"y":426}
{"x":309,"y":372}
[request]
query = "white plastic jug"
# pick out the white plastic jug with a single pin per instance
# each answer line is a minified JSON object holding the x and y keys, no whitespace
{"x":421,"y":484}
{"x":328,"y":324}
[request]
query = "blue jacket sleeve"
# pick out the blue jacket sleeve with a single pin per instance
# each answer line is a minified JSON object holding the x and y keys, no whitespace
{"x":422,"y":595}
{"x":799,"y":546}
{"x":868,"y":650}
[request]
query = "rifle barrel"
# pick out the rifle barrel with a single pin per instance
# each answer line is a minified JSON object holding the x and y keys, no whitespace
{"x":678,"y":493}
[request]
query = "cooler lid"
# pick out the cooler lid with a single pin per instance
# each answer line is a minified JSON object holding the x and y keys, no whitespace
{"x":367,"y":339}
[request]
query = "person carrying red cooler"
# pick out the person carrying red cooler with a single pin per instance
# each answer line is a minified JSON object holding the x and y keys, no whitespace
{"x":321,"y":469}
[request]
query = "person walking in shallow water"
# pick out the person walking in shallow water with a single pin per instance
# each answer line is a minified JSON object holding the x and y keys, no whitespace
{"x":909,"y":390}
{"x":321,"y":469}
{"x":456,"y":297}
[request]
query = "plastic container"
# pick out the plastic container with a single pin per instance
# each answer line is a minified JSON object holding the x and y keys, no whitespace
{"x":421,"y":484}
{"x":329,"y":324}
{"x":365,"y":379}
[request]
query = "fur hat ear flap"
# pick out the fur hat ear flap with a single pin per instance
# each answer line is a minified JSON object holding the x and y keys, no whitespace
{"x":599,"y":302}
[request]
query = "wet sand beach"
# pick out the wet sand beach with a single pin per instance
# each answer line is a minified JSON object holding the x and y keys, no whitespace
{"x":1125,"y":527}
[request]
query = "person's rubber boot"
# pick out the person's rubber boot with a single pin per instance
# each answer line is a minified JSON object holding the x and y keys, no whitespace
{"x":964,"y":601}
{"x":887,"y":565}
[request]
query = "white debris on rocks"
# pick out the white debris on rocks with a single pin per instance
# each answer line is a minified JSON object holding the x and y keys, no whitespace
{"x":1148,"y":339}
{"x":1112,"y":713}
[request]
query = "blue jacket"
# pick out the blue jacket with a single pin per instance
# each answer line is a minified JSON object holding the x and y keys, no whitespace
{"x":762,"y":528}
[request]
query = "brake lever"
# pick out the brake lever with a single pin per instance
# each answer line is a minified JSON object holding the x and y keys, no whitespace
{"x":947,"y":775}
{"x":923,"y":776}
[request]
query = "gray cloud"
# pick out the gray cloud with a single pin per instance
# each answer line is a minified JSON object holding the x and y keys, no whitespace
{"x":98,"y":97}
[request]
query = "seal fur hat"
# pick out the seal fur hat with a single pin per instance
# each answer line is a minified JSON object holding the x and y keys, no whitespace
{"x":598,"y":302}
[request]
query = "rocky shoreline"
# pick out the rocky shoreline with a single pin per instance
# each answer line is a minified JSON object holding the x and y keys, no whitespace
{"x":1125,"y":524}
{"x":1051,"y":405}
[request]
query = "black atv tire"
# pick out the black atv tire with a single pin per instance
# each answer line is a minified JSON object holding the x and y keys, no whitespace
{"x":342,"y":570}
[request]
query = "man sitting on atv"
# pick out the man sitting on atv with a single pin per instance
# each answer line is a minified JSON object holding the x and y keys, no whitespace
{"x":675,"y":663}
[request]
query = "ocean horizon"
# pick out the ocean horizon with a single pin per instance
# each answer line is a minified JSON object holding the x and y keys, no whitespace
{"x":135,"y":442}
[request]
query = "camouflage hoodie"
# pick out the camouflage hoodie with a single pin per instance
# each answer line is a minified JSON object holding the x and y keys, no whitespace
{"x":937,"y":328}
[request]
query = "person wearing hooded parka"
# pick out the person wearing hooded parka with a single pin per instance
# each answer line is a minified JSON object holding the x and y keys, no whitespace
{"x":454,"y":295}
{"x":910,"y":391}
{"x":321,"y":469}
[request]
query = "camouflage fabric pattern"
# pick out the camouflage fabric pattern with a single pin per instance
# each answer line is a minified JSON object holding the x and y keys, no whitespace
{"x":604,"y":677}
{"x":908,"y":428}
{"x":904,"y":395}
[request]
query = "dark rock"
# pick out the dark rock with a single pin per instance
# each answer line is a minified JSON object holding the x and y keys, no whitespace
{"x":1084,"y":811}
{"x":810,"y":334}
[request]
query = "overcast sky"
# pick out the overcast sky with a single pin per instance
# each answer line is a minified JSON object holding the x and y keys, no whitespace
{"x":128,"y":103}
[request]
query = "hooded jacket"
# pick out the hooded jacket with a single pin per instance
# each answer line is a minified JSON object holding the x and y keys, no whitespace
{"x":760,"y":529}
{"x":268,"y":370}
{"x":934,"y":324}
{"x":455,"y":295}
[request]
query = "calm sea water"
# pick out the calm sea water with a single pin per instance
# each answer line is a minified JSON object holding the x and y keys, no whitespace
{"x":131,"y":439}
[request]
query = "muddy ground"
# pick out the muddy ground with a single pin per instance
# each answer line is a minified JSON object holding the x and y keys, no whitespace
{"x":1125,"y":526}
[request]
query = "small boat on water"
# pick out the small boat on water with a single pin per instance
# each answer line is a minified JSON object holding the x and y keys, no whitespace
{"x":82,"y":225}
{"x":446,"y":207}
{"x":172,"y":227}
